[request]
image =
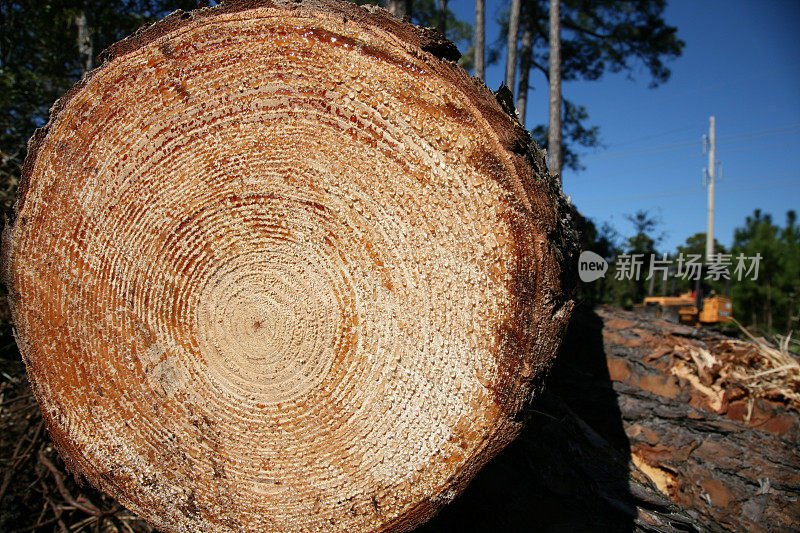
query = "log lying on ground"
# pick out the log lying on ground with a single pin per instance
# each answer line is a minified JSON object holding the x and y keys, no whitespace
{"x":607,"y":408}
{"x":285,"y":266}
{"x":722,"y":448}
{"x":619,"y":441}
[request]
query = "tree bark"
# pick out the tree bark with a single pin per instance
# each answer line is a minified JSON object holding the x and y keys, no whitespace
{"x":524,"y":70}
{"x":511,"y":45}
{"x":442,"y":25}
{"x":85,"y":48}
{"x":729,"y":458}
{"x":554,"y":130}
{"x":618,"y":441}
{"x":285,"y":267}
{"x":480,"y":39}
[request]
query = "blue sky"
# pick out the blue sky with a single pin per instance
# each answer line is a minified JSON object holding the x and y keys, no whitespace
{"x":741,"y":63}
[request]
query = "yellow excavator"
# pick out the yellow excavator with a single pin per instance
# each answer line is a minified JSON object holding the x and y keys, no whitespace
{"x":698,"y":307}
{"x":689,"y":308}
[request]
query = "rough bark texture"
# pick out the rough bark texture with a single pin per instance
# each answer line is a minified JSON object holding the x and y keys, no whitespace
{"x":480,"y":39}
{"x":617,"y":441}
{"x":285,"y":266}
{"x":511,"y":44}
{"x":732,"y":460}
{"x":554,"y":155}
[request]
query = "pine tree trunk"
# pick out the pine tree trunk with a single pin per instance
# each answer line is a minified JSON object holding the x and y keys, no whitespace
{"x":401,"y":9}
{"x":480,"y":39}
{"x":524,"y":70}
{"x":442,"y":25}
{"x":85,"y":48}
{"x":554,"y":128}
{"x":285,"y":267}
{"x":511,"y":45}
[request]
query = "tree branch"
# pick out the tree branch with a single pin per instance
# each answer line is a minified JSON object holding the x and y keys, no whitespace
{"x":581,"y":29}
{"x":544,"y":69}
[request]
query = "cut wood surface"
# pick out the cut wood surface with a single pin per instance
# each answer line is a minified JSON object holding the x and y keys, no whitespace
{"x":606,"y":448}
{"x":285,"y":267}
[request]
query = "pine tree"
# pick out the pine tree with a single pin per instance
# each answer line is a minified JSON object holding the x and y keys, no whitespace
{"x":598,"y":37}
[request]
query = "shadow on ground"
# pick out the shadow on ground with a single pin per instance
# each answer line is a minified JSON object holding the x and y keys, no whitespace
{"x":568,"y":470}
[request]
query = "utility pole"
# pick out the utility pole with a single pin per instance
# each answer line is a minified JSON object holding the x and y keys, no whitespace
{"x":710,"y":184}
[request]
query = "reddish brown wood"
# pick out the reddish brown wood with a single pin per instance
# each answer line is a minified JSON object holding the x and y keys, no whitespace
{"x":285,"y":266}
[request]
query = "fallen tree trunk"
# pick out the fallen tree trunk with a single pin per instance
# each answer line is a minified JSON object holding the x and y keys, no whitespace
{"x":619,"y":441}
{"x":718,"y":447}
{"x":285,"y":266}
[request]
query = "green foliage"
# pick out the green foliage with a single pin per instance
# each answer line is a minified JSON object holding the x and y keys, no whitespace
{"x":34,"y":71}
{"x":642,"y":243}
{"x":603,"y":241}
{"x":597,"y":36}
{"x":614,"y":36}
{"x":39,"y":61}
{"x":643,"y":240}
{"x":573,"y":118}
{"x":696,"y":246}
{"x":425,"y":13}
{"x":772,"y":302}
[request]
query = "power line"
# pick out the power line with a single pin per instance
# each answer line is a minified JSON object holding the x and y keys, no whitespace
{"x":738,"y":137}
{"x":768,"y":132}
{"x":761,"y":147}
{"x":655,"y":135}
{"x":695,"y":190}
{"x":751,"y":138}
{"x":676,"y":160}
{"x":716,"y":86}
{"x":763,"y":176}
{"x":649,"y":150}
{"x":632,"y":170}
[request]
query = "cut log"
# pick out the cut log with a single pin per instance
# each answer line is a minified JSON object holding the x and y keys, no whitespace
{"x":619,"y":441}
{"x":727,"y":456}
{"x":285,"y":266}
